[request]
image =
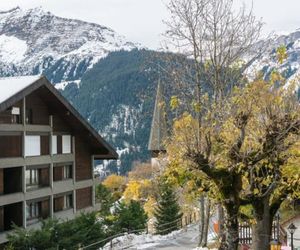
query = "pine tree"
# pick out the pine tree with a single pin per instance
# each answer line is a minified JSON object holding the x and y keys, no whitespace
{"x":131,"y":217}
{"x":105,"y":198}
{"x":167,"y":213}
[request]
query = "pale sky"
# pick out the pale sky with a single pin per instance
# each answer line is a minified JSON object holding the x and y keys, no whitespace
{"x":141,"y":20}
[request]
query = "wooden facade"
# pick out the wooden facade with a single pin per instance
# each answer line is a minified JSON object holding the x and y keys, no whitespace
{"x":47,"y":152}
{"x":58,"y":204}
{"x":37,"y":111}
{"x":11,"y":145}
{"x":83,"y":197}
{"x":83,"y":161}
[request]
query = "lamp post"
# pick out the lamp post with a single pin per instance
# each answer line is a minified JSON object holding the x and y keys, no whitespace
{"x":278,"y":227}
{"x":292,"y":228}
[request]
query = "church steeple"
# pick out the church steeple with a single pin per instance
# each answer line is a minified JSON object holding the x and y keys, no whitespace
{"x":158,"y":131}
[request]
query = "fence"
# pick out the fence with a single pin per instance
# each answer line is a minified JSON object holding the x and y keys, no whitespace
{"x":278,"y":233}
{"x":109,"y":242}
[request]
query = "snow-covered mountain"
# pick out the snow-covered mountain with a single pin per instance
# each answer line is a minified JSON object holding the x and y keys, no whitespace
{"x":268,"y":60}
{"x":117,"y":90}
{"x":34,"y":41}
{"x":107,"y":88}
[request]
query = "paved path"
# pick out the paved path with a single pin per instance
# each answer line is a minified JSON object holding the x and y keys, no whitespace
{"x":183,"y":241}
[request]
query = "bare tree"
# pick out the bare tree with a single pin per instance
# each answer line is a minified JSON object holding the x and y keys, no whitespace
{"x":214,"y":37}
{"x":211,"y":33}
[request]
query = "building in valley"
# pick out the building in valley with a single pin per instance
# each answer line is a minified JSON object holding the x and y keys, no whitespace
{"x":47,"y":153}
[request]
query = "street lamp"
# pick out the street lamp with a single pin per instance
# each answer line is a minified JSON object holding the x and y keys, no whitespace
{"x":292,"y":228}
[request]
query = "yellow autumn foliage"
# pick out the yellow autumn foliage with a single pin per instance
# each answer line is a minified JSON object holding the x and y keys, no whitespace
{"x":138,"y":190}
{"x":115,"y":182}
{"x":174,"y":102}
{"x":149,"y":206}
{"x":265,"y":105}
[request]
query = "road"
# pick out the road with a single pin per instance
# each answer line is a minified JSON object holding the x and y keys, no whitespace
{"x":183,"y":241}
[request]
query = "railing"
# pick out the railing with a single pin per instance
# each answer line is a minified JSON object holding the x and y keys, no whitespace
{"x":278,"y":233}
{"x":110,"y":242}
{"x":245,"y":233}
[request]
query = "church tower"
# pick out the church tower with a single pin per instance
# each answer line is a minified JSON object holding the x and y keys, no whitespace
{"x":159,"y":132}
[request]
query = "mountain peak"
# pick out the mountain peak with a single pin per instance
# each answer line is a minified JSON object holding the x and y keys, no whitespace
{"x":38,"y":11}
{"x":21,"y":12}
{"x":11,"y":10}
{"x":32,"y":40}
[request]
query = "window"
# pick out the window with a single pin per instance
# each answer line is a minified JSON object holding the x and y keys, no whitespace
{"x":32,"y":145}
{"x":62,"y":172}
{"x":66,"y":144}
{"x":68,"y":201}
{"x":33,"y":210}
{"x":68,"y":172}
{"x":32,"y":177}
{"x":54,"y":144}
{"x":63,"y":202}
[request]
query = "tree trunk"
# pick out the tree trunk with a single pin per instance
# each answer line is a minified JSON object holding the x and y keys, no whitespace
{"x":262,"y":229}
{"x":206,"y":224}
{"x":201,"y":221}
{"x":221,"y":221}
{"x":231,"y":226}
{"x":232,"y":232}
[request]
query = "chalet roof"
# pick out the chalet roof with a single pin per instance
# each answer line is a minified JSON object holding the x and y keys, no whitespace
{"x":159,"y":130}
{"x":9,"y":86}
{"x":14,"y":89}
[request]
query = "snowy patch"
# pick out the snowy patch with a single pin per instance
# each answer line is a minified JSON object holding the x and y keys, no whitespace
{"x":297,"y":44}
{"x":122,"y":151}
{"x":100,"y":171}
{"x":63,"y":85}
{"x":12,"y":49}
{"x":124,"y":120}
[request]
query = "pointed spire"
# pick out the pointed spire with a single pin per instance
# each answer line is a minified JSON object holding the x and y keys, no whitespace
{"x":158,"y":131}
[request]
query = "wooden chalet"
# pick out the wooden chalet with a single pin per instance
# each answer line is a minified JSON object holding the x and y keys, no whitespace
{"x":47,"y":153}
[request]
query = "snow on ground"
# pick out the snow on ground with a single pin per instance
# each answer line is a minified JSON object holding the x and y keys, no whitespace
{"x":142,"y":241}
{"x":184,"y":239}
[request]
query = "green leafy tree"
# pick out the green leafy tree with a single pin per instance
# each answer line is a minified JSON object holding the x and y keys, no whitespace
{"x":38,"y":239}
{"x":168,"y":212}
{"x":54,"y":234}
